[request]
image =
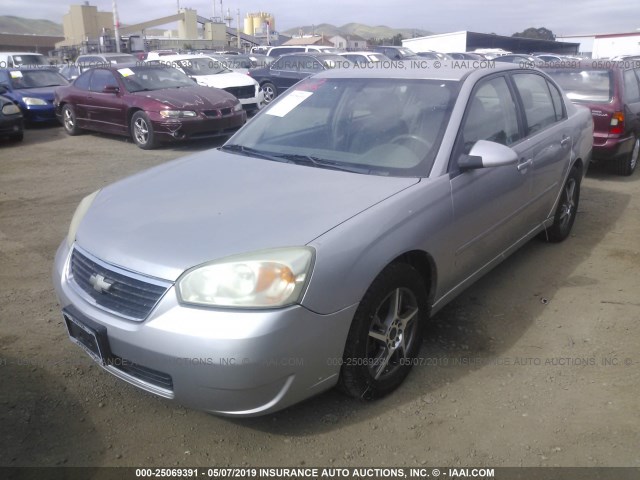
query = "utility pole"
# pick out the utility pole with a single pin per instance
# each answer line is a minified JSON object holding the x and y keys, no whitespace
{"x":238,"y":30}
{"x":116,"y":26}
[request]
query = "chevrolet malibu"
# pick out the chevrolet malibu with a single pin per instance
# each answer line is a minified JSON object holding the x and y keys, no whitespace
{"x":152,"y":104}
{"x":310,"y":249}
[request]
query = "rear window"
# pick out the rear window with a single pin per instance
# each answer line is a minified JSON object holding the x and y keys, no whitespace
{"x":587,"y":86}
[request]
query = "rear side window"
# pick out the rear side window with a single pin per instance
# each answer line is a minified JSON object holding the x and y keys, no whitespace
{"x":536,"y":99}
{"x":558,"y":104}
{"x":631,"y":92}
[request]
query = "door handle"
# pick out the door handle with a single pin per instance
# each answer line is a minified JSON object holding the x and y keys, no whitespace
{"x":524,"y":165}
{"x":565,"y":141}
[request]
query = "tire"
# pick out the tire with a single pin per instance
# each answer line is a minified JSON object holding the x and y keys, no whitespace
{"x":379,"y":351}
{"x":270,"y":92}
{"x":69,"y":120}
{"x":142,"y":131}
{"x":18,"y":137}
{"x":566,"y":210}
{"x":626,"y":165}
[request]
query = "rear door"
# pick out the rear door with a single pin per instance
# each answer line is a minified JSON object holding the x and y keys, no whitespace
{"x":631,"y":98}
{"x":549,"y":140}
{"x":287,"y":71}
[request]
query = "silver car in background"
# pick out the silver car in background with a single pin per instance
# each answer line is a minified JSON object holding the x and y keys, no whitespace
{"x":310,"y":249}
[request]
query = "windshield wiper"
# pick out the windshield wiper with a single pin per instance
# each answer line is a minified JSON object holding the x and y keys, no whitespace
{"x":252,"y":152}
{"x":322,"y":163}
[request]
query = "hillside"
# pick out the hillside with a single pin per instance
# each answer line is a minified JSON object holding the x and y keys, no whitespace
{"x":29,"y":26}
{"x":365,"y":31}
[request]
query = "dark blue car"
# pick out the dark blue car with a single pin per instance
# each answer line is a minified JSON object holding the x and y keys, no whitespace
{"x":32,"y":90}
{"x":289,"y":69}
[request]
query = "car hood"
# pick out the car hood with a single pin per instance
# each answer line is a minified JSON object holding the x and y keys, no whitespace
{"x":225,"y":80}
{"x":215,"y":204}
{"x":45,"y":93}
{"x":196,"y":97}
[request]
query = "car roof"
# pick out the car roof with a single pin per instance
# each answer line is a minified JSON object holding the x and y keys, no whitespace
{"x":360,"y":52}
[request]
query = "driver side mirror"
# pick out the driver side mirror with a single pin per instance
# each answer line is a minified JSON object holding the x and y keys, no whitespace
{"x":111,"y":89}
{"x":486,"y":154}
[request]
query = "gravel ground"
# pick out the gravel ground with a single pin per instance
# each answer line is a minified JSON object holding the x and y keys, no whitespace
{"x":536,"y":365}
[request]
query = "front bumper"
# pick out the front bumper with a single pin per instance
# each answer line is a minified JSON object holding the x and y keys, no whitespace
{"x":224,"y":361}
{"x":11,"y":125}
{"x":39,"y":113}
{"x":196,"y":127}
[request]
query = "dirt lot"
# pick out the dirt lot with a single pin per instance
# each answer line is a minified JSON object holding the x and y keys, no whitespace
{"x":537,"y":364}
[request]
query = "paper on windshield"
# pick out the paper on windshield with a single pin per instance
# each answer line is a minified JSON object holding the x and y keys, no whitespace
{"x":16,"y":74}
{"x":288,"y":103}
{"x":126,"y":72}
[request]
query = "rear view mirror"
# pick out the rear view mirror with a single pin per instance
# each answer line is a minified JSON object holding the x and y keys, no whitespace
{"x":485,"y":154}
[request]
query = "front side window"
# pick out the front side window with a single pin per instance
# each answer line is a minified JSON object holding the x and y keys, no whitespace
{"x":491,"y":115}
{"x":536,"y":99}
{"x":82,"y":82}
{"x":101,"y":79}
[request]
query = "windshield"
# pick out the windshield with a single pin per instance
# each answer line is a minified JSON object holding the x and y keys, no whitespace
{"x":198,"y":66}
{"x":377,"y":126}
{"x":584,"y":85}
{"x":405,"y":52}
{"x":25,"y":59}
{"x":36,"y":78}
{"x":137,"y":79}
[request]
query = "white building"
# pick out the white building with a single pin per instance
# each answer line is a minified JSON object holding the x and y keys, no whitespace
{"x":606,"y":45}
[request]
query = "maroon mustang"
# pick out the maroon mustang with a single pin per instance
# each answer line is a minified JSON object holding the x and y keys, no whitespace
{"x":150,"y":103}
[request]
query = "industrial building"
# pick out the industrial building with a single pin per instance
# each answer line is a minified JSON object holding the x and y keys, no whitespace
{"x":88,"y":30}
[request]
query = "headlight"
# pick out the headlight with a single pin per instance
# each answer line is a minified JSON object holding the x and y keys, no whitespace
{"x":177,"y":113}
{"x":10,"y":109}
{"x":79,"y":214}
{"x":31,"y":101}
{"x":264,"y":279}
{"x":237,"y":107}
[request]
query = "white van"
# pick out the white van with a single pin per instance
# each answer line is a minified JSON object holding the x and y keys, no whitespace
{"x":281,"y":50}
{"x":22,"y":59}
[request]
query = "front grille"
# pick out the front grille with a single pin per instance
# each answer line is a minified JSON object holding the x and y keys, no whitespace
{"x":124,"y":293}
{"x":218,"y":113}
{"x":146,"y":374}
{"x":248,"y":91}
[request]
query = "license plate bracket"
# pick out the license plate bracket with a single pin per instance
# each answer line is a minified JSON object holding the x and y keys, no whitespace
{"x":89,"y":335}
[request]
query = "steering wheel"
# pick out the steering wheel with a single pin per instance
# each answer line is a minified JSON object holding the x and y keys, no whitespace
{"x":400,"y":139}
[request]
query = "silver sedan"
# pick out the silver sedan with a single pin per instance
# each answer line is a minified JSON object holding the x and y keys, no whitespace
{"x":310,"y":249}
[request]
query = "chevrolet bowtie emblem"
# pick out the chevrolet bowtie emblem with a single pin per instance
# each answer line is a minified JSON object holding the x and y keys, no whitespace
{"x":99,"y":283}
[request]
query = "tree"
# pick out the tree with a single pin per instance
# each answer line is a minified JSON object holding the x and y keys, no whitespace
{"x":536,"y":33}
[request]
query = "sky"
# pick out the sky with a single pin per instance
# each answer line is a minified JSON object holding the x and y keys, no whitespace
{"x":504,"y":17}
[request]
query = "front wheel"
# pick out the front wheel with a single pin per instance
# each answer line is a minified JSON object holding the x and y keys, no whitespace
{"x":270,"y":92}
{"x":386,"y":333}
{"x":567,"y":209}
{"x":69,"y":120}
{"x":142,"y":131}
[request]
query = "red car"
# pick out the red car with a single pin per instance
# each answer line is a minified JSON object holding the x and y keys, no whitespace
{"x":152,"y":104}
{"x":611,"y":89}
